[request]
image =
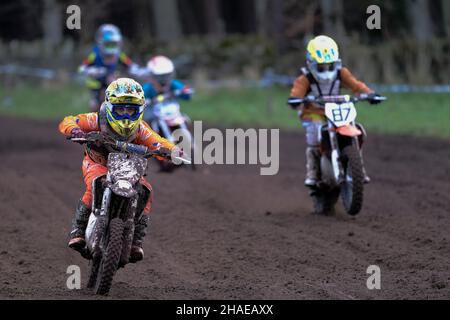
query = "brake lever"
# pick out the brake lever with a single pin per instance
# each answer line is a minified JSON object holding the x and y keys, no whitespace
{"x":90,"y":137}
{"x":77,"y":140}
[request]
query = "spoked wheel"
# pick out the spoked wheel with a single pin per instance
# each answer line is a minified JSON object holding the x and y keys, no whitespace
{"x":352,"y":188}
{"x":111,"y":257}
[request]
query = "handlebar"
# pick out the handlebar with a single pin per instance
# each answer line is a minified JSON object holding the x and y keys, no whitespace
{"x":94,"y":71}
{"x":336,"y":99}
{"x":121,"y":146}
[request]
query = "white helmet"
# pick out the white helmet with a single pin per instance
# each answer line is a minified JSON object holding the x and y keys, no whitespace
{"x":161,"y":69}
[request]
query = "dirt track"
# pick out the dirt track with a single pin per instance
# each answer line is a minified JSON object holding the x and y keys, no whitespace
{"x":225,"y":232}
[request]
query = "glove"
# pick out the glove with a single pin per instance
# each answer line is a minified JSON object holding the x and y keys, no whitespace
{"x":177,"y":152}
{"x":77,"y":133}
{"x":372,"y":98}
{"x":294,"y":102}
{"x":186,"y":91}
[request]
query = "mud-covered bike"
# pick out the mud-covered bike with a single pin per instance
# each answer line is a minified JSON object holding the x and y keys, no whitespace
{"x":115,"y":207}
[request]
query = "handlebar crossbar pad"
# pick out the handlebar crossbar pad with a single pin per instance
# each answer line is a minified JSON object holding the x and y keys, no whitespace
{"x":132,"y":148}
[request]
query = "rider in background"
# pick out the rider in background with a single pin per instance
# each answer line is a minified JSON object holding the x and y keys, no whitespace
{"x":324,"y":75}
{"x":120,"y":117}
{"x":162,"y":82}
{"x":101,"y":64}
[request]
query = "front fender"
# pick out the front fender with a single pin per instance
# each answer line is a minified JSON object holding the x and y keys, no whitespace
{"x":123,"y":188}
{"x":349,"y":131}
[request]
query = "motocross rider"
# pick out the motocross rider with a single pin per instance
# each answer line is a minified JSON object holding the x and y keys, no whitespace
{"x":101,"y":64}
{"x":162,"y":80}
{"x":323,"y":75}
{"x":120,"y":117}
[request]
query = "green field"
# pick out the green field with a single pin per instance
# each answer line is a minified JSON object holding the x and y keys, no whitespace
{"x":415,"y":113}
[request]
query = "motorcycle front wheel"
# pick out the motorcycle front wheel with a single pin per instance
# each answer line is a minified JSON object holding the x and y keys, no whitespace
{"x":111,"y":257}
{"x":352,"y":188}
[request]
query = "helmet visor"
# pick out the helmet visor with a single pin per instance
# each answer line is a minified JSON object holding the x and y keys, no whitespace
{"x":325,"y":67}
{"x":111,"y":45}
{"x":123,"y":111}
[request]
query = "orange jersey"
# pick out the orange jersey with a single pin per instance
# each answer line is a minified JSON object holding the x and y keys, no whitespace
{"x":302,"y":85}
{"x":88,"y":122}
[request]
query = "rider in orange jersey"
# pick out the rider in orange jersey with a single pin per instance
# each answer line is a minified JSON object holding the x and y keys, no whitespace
{"x":120,"y":117}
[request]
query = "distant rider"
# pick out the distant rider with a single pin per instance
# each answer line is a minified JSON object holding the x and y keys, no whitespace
{"x":323,"y":75}
{"x":101,"y":64}
{"x":161,"y":75}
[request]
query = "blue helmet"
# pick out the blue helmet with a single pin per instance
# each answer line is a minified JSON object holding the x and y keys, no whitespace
{"x":109,"y":39}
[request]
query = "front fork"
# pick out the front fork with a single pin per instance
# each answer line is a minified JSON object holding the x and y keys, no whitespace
{"x":100,"y":215}
{"x":338,"y":169}
{"x":102,"y":220}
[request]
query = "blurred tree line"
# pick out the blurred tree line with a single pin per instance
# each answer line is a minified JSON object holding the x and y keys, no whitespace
{"x":241,"y":38}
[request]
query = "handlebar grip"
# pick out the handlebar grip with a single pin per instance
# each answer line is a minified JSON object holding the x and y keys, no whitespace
{"x":294,"y":103}
{"x":132,"y":148}
{"x":77,"y":140}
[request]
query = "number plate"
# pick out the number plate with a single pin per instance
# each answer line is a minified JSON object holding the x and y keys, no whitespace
{"x":340,"y":114}
{"x":168,"y":110}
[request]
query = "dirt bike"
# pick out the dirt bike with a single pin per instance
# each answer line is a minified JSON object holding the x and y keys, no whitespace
{"x":164,"y":116}
{"x":341,"y":165}
{"x":110,"y":229}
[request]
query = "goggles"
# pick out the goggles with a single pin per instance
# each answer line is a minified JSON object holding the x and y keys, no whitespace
{"x":324,"y":67}
{"x":110,"y":45}
{"x":125,"y":111}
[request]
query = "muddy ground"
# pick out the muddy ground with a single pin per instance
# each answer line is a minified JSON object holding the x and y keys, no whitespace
{"x":225,"y":232}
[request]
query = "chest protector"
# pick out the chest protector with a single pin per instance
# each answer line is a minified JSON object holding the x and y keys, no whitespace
{"x":100,"y":153}
{"x":319,"y":89}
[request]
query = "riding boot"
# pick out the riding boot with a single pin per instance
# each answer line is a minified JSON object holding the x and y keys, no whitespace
{"x":79,"y":224}
{"x":140,"y":230}
{"x":312,"y":166}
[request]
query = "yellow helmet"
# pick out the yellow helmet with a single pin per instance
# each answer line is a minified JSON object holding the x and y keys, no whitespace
{"x":322,"y":49}
{"x":322,"y":59}
{"x":125,"y":103}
